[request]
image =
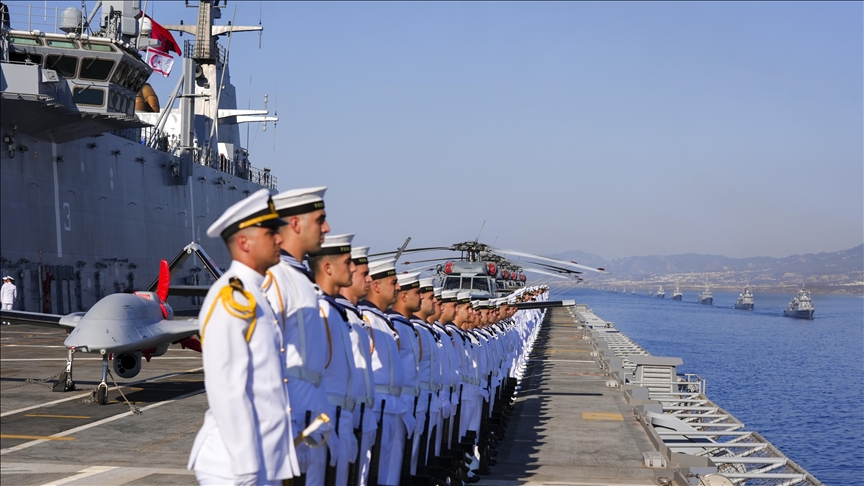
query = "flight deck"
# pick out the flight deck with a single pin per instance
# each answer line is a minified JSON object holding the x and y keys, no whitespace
{"x":593,"y":409}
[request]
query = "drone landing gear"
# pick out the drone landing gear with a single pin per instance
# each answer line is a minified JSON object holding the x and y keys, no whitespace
{"x":65,"y":383}
{"x":102,"y":389}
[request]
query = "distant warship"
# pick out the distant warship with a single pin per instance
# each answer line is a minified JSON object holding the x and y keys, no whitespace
{"x":801,"y":307}
{"x":677,"y":295}
{"x":745,"y":300}
{"x":661,"y":294}
{"x":706,"y":297}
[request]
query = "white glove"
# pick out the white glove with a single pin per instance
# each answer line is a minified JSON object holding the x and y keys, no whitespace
{"x":333,"y":443}
{"x":246,"y":480}
{"x":446,"y":408}
{"x":350,"y":446}
{"x":410,"y":423}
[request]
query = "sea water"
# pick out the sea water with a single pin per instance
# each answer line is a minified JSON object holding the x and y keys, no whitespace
{"x":799,"y":383}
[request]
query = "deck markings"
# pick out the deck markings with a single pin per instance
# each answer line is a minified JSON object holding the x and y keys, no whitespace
{"x":602,"y":416}
{"x":85,"y":395}
{"x":57,"y":416}
{"x":84,"y":473}
{"x":104,"y":421}
{"x":34,"y":437}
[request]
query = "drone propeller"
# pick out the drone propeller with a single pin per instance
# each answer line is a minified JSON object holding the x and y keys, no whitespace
{"x":552,"y":260}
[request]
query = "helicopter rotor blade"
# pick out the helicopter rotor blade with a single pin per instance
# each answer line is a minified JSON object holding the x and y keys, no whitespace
{"x":565,"y":270}
{"x":545,"y":272}
{"x":551,"y":260}
{"x":411,"y":250}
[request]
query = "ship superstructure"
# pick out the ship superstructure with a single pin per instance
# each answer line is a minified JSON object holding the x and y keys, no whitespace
{"x":95,"y":193}
{"x":676,"y":294}
{"x":661,"y":294}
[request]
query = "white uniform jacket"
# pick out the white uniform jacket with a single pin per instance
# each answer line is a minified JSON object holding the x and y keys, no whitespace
{"x":246,"y":429}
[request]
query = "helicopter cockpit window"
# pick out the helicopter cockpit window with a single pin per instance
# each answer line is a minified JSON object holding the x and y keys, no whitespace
{"x":451,"y":283}
{"x":480,"y":283}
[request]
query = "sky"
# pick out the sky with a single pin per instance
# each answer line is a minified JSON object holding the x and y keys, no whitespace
{"x":619,"y":129}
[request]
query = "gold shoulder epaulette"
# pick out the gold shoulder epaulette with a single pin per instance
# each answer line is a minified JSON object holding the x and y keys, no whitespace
{"x":236,"y":309}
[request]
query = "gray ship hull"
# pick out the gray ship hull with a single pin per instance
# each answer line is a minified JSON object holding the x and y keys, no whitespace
{"x":799,"y":314}
{"x":744,"y":306}
{"x":676,"y":297}
{"x":94,"y":216}
{"x":706,"y":300}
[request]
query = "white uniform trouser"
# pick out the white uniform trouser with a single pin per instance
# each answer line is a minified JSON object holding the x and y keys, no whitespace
{"x":7,"y":305}
{"x":205,"y":479}
{"x":393,"y":437}
{"x":366,"y":455}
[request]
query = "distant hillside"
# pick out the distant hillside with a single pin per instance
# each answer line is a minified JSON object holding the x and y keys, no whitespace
{"x":834,"y":271}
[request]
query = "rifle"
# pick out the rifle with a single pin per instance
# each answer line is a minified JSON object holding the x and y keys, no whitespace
{"x":354,"y":469}
{"x":330,"y":473}
{"x":376,"y":449}
{"x":406,"y":451}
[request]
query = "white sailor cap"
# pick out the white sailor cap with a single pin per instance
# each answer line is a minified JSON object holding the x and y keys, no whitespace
{"x":7,"y":277}
{"x":408,"y":280}
{"x":449,"y":295}
{"x":299,"y":201}
{"x":382,"y":268}
{"x":481,"y":304}
{"x":335,"y":245}
{"x":360,"y":255}
{"x":437,"y":291}
{"x":427,"y":284}
{"x":255,"y":210}
{"x":463,"y":297}
{"x":511,"y":299}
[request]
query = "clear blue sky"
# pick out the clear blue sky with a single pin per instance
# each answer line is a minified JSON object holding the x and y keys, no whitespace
{"x":615,"y":128}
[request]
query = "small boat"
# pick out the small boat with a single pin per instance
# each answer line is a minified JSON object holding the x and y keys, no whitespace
{"x":706,"y":297}
{"x":650,"y":292}
{"x":745,"y":299}
{"x":633,"y":292}
{"x":801,"y":306}
{"x":661,"y":294}
{"x":677,"y":295}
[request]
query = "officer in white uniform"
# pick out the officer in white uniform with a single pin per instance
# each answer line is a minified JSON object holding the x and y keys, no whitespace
{"x":8,"y":293}
{"x":246,"y":436}
{"x":293,"y":295}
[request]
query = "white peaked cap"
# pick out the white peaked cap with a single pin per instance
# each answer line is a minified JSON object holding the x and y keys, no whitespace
{"x":382,"y":268}
{"x":427,"y":284}
{"x":408,"y":280}
{"x":335,"y":245}
{"x":299,"y":201}
{"x":511,"y":299}
{"x":360,"y":254}
{"x":449,"y":295}
{"x":255,"y":210}
{"x":438,"y":291}
{"x":463,"y":297}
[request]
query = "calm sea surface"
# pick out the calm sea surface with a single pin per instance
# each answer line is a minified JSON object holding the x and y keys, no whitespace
{"x":799,"y":383}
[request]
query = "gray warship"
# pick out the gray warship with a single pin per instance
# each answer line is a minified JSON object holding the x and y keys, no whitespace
{"x":96,"y":190}
{"x":706,"y":297}
{"x":801,"y":307}
{"x":745,"y":299}
{"x":676,"y":294}
{"x":661,"y":294}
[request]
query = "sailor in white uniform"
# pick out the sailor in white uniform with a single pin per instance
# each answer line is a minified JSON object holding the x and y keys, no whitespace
{"x":8,"y":293}
{"x":363,"y":382}
{"x":333,"y":269}
{"x":246,"y":436}
{"x":396,"y":420}
{"x":293,"y":295}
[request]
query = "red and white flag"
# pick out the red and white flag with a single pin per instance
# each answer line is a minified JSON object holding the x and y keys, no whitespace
{"x":159,"y":61}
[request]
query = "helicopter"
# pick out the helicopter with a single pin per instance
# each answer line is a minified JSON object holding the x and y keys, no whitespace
{"x":125,"y":328}
{"x":482,"y":269}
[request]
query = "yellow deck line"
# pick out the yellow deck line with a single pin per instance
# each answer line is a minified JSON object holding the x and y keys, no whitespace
{"x":34,"y":437}
{"x":601,"y":416}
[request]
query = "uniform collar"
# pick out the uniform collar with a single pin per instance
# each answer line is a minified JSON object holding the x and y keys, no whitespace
{"x":292,"y":262}
{"x":349,"y":306}
{"x":250,"y":277}
{"x":335,"y":305}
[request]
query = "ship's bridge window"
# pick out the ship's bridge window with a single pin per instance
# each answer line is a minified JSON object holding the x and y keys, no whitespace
{"x":121,"y":74}
{"x":139,"y":81}
{"x":65,"y":65}
{"x":97,"y":47}
{"x":24,"y":57}
{"x":96,"y":69}
{"x":88,"y":96}
{"x":63,"y":44}
{"x":24,"y":41}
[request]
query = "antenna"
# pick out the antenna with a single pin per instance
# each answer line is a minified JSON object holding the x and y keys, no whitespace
{"x":275,"y":114}
{"x":260,"y":32}
{"x":481,"y":230}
